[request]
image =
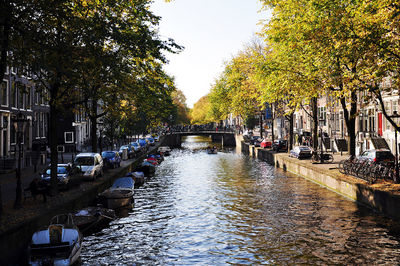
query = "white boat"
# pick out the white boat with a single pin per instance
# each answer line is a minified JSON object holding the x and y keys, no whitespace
{"x":59,"y":244}
{"x":165,"y":150}
{"x":120,"y":194}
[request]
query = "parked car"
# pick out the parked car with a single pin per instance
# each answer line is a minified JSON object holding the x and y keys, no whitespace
{"x":380,"y":155}
{"x":150,"y":141}
{"x":301,"y":152}
{"x":111,"y":159}
{"x":247,"y":135}
{"x":255,"y":140}
{"x":280,"y":145}
{"x":90,"y":165}
{"x":142,"y":142}
{"x":266,"y":144}
{"x":136,"y":147}
{"x":64,"y":175}
{"x":129,"y":149}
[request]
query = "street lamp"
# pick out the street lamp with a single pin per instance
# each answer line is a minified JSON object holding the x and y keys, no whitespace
{"x":19,"y":124}
{"x":396,"y":160}
{"x":322,"y":139}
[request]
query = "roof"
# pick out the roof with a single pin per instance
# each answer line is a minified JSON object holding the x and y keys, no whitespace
{"x":86,"y":154}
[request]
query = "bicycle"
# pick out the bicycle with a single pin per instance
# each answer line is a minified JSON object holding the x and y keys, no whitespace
{"x":319,"y":157}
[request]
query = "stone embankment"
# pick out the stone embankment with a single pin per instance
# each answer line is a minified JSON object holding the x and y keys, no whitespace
{"x":383,"y":196}
{"x":17,"y":226}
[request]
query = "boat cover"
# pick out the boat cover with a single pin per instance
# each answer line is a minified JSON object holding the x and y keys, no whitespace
{"x":147,"y":163}
{"x":43,"y":237}
{"x":124,"y":182}
{"x":136,"y":174}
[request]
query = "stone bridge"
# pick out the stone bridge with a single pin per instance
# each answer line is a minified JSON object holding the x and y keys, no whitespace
{"x":227,"y":138}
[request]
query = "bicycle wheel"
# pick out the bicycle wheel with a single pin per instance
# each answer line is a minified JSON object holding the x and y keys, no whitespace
{"x":341,"y":166}
{"x":315,"y":158}
{"x":347,"y":167}
{"x":330,"y":158}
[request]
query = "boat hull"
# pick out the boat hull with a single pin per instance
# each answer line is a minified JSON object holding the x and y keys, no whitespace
{"x":115,"y":203}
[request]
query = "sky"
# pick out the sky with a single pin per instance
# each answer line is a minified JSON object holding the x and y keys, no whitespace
{"x":212,"y":32}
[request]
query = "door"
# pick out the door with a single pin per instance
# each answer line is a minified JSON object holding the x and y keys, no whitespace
{"x":380,"y":127}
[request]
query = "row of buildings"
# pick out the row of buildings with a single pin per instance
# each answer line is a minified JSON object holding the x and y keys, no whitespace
{"x":372,"y":128}
{"x":19,"y":95}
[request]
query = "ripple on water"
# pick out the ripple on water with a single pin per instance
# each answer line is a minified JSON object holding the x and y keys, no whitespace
{"x":202,"y":209}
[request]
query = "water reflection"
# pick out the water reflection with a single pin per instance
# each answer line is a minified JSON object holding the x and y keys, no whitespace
{"x":202,"y":209}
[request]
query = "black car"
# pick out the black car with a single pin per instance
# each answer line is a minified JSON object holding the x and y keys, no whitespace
{"x":64,"y":174}
{"x":380,"y":155}
{"x":280,"y":145}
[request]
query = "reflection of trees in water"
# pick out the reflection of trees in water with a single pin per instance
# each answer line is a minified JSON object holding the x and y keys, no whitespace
{"x":287,"y":218}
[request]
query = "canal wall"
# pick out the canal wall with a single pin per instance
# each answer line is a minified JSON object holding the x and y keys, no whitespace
{"x":327,"y":175}
{"x":14,"y":240}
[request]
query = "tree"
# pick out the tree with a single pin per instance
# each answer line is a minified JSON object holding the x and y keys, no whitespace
{"x":320,"y":35}
{"x":182,"y":111}
{"x":201,"y":111}
{"x":58,"y":38}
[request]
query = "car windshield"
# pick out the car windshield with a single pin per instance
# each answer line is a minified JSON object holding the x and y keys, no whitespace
{"x":84,"y":161}
{"x":135,"y":144}
{"x":304,"y":148}
{"x":123,"y":147}
{"x":60,"y":170}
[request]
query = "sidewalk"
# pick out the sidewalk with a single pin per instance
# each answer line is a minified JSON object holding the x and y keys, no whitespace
{"x":8,"y":181}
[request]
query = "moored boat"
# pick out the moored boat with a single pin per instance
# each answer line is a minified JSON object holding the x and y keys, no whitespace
{"x":138,"y":177}
{"x":212,"y":150}
{"x":91,"y":219}
{"x":58,"y":244}
{"x":147,"y":168}
{"x":120,"y":194}
{"x":165,"y":150}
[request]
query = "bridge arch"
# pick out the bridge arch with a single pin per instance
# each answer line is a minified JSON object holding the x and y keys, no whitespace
{"x":226,"y":138}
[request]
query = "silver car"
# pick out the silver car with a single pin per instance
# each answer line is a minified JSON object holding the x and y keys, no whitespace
{"x":90,"y":165}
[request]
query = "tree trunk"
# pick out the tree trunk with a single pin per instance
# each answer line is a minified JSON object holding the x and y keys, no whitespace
{"x":272,"y":122}
{"x":314,"y":107}
{"x":261,"y":125}
{"x":291,"y":129}
{"x":350,"y":120}
{"x":93,"y":125}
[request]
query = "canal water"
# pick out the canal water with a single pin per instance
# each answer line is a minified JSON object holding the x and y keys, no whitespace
{"x":202,"y":209}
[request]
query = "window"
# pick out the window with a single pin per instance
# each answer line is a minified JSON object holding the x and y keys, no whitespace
{"x":371,"y":120}
{"x":37,"y":125}
{"x":21,"y":97}
{"x":28,"y":98}
{"x":13,"y":133}
{"x":40,"y":124}
{"x":14,"y":93}
{"x":36,"y":97}
{"x":43,"y":125}
{"x":4,"y":93}
{"x":322,"y":115}
{"x":69,"y":137}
